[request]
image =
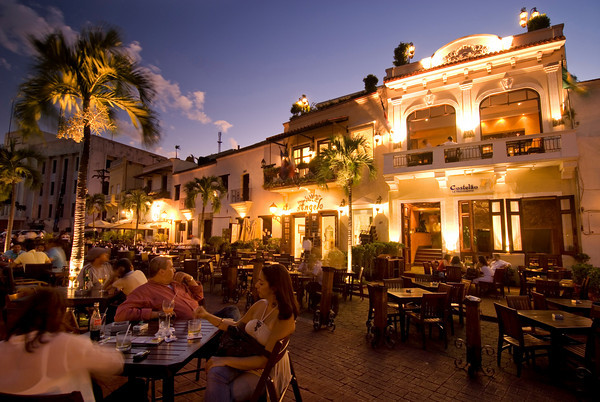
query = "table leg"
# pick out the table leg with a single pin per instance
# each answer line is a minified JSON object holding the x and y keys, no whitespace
{"x":168,"y":389}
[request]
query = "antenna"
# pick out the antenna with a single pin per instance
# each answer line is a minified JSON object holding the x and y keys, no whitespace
{"x":219,"y":142}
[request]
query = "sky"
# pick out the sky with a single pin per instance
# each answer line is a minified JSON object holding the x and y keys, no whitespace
{"x":237,"y":66}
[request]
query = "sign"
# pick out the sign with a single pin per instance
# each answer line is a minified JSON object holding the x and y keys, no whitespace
{"x":479,"y":184}
{"x":311,"y":203}
{"x":465,"y":188}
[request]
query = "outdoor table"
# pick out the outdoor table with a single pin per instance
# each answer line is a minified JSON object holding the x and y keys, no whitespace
{"x":431,"y":286}
{"x":76,"y":298}
{"x":407,"y":295}
{"x":166,"y":359}
{"x":567,"y":285}
{"x":570,"y":324}
{"x":580,"y":307}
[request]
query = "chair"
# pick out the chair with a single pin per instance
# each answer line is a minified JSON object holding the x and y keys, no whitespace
{"x":524,"y":289}
{"x":585,"y":285}
{"x":446,"y":288}
{"x":511,"y":333}
{"x":497,"y":281}
{"x":539,"y":301}
{"x":433,"y":312}
{"x":588,"y":353}
{"x":266,"y":384}
{"x":457,"y":297}
{"x":313,"y":293}
{"x":74,"y":396}
{"x":357,"y":285}
{"x":453,"y":274}
{"x":407,"y":282}
{"x":216,"y":275}
{"x":339,"y":283}
{"x":42,"y":273}
{"x":394,"y":311}
{"x":400,"y":309}
{"x":547,"y":288}
{"x":524,"y":303}
{"x":427,"y":268}
{"x":190,"y":267}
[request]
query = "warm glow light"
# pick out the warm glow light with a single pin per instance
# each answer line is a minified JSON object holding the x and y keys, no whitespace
{"x":451,"y":238}
{"x":507,"y":42}
{"x":242,"y":214}
{"x":426,"y":62}
{"x":523,"y":18}
{"x":273,"y":209}
{"x":187,"y":215}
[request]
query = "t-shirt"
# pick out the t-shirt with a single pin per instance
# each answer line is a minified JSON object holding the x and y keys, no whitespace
{"x":60,"y":366}
{"x":94,"y":273}
{"x":58,"y":257}
{"x":130,"y":281}
{"x":32,"y":257}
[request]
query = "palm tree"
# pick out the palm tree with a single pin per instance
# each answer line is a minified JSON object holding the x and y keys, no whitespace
{"x":88,"y":81}
{"x":139,"y":201}
{"x":345,"y":162}
{"x":16,"y":167}
{"x":95,"y":205}
{"x":210,"y":189}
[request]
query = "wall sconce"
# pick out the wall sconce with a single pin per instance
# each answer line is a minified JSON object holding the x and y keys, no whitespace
{"x":377,"y":138}
{"x":378,"y":205}
{"x":429,"y":98}
{"x":165,"y":217}
{"x":187,"y":215}
{"x":263,"y":163}
{"x":342,"y":207}
{"x":273,"y":210}
{"x":523,"y":16}
{"x":411,"y":50}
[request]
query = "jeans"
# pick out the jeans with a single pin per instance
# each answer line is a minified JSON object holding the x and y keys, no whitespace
{"x":229,"y":312}
{"x":224,"y":383}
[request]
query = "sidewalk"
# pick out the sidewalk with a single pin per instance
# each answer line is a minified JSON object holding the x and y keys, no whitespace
{"x":342,"y":366}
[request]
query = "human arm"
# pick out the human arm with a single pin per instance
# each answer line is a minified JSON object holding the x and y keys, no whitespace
{"x":137,"y":306}
{"x":194,"y":288}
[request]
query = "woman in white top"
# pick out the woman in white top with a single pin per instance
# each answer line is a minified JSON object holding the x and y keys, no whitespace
{"x":39,"y":358}
{"x":268,"y":320}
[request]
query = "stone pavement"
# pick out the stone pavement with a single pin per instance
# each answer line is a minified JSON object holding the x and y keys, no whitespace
{"x":342,"y":366}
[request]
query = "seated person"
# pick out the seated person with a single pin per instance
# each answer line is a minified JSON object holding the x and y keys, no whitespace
{"x":487,"y":273}
{"x":145,"y":302}
{"x":14,"y":252}
{"x":267,"y":321}
{"x":56,"y":254}
{"x":444,"y":263}
{"x":498,"y":263}
{"x":455,"y":262}
{"x":43,"y":359}
{"x":97,"y":268}
{"x":32,"y":256}
{"x":124,"y":278}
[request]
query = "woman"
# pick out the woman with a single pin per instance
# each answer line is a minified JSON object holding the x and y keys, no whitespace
{"x":444,"y":263}
{"x":40,"y":358}
{"x":98,"y":268}
{"x":455,"y":262}
{"x":268,"y":320}
{"x":486,"y":274}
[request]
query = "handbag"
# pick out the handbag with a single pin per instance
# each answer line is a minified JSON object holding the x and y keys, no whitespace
{"x":235,"y":342}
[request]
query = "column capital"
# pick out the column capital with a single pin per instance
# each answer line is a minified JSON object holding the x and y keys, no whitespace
{"x":397,"y":101}
{"x":466,"y":85}
{"x":552,"y":67}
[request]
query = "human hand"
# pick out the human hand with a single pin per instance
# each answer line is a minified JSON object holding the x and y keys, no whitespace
{"x":184,"y":278}
{"x":201,"y":312}
{"x":215,"y":362}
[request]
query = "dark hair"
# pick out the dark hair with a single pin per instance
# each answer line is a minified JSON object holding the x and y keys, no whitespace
{"x":124,"y":263}
{"x":279,"y":280}
{"x":481,"y":259}
{"x":42,"y":312}
{"x":29,"y":244}
{"x":455,"y":260}
{"x":156,"y":265}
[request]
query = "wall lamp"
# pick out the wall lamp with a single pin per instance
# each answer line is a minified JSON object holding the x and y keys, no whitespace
{"x":273,"y":210}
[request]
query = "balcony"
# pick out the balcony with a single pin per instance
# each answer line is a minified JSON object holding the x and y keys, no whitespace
{"x":273,"y":180}
{"x":523,"y":149}
{"x":239,"y":195}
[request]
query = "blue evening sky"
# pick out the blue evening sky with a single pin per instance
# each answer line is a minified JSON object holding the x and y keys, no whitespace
{"x":237,"y":66}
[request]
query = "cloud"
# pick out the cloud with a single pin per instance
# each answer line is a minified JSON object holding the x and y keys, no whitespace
{"x":223,"y":125}
{"x":234,"y":144}
{"x":134,"y":50}
{"x":18,"y":22}
{"x":5,"y":64}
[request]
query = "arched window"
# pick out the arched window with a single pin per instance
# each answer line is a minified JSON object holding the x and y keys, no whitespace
{"x":431,"y":126}
{"x":510,"y":114}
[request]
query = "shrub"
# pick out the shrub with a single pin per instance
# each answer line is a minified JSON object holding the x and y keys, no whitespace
{"x":539,"y":22}
{"x":335,"y":258}
{"x":364,"y":255}
{"x":581,"y":271}
{"x":594,"y":275}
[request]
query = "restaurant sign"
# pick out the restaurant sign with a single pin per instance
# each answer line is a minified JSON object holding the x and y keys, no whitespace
{"x":465,"y":188}
{"x":469,"y":184}
{"x":311,"y":203}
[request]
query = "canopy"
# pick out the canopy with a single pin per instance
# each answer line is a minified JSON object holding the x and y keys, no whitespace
{"x":130,"y":224}
{"x":100,"y":224}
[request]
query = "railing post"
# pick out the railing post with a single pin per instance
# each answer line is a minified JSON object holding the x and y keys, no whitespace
{"x":473,"y":334}
{"x":326,"y":293}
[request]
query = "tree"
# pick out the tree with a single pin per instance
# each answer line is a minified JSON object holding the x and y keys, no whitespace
{"x":16,"y":167}
{"x":95,"y":205}
{"x":539,"y":22}
{"x":138,"y":201}
{"x":370,"y":83}
{"x":345,"y":162}
{"x":210,"y":189}
{"x":88,"y":81}
{"x":401,"y":54}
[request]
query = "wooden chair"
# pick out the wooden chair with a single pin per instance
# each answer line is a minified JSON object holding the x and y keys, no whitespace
{"x":588,"y":353}
{"x":453,"y":274}
{"x":39,"y":273}
{"x":585,"y":286}
{"x":446,"y":288}
{"x":457,"y":298}
{"x":524,"y":303}
{"x":539,"y":301}
{"x":524,"y":289}
{"x":357,"y":285}
{"x":190,"y":267}
{"x":427,"y":268}
{"x":433,"y":311}
{"x":547,"y":288}
{"x":497,"y":282}
{"x":74,"y":396}
{"x":395,"y":311}
{"x":511,"y":333}
{"x":407,"y":282}
{"x":266,"y":383}
{"x":216,"y":276}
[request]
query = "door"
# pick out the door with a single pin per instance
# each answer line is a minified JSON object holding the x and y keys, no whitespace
{"x":299,"y":233}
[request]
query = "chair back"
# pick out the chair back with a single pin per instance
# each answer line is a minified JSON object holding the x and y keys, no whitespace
{"x":458,"y":292}
{"x":547,"y":288}
{"x":40,"y":272}
{"x":509,"y":323}
{"x":453,"y":274}
{"x":518,"y":302}
{"x":74,"y":396}
{"x":444,"y":288}
{"x":522,"y":283}
{"x":407,"y":282}
{"x":595,"y":311}
{"x":360,"y":275}
{"x":539,"y":301}
{"x":395,"y":283}
{"x":266,"y":382}
{"x":190,"y":267}
{"x":499,"y":276}
{"x":585,"y":286}
{"x":427,"y":268}
{"x":434,"y":305}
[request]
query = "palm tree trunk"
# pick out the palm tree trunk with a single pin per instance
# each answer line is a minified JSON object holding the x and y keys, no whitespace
{"x":201,"y":228}
{"x":94,"y":225}
{"x":77,"y":253}
{"x":350,"y":228}
{"x":137,"y":223}
{"x":11,"y":217}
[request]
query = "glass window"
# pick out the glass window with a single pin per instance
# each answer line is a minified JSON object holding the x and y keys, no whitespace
{"x":301,"y":155}
{"x":510,"y":114}
{"x":431,"y":126}
{"x":361,"y":222}
{"x":177,"y":192}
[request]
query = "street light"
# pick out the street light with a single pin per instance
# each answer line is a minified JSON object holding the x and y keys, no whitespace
{"x":273,"y":210}
{"x":411,"y":50}
{"x":524,"y":16}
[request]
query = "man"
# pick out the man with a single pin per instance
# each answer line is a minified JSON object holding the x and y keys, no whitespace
{"x":450,"y":141}
{"x":14,"y":252}
{"x":56,"y":255}
{"x":124,"y":278}
{"x":97,"y":268}
{"x":32,"y":256}
{"x":498,"y":263}
{"x":145,"y":302}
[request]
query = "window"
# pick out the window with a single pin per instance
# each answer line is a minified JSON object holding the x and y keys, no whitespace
{"x":108,"y":163}
{"x":65,"y":166}
{"x":75,"y":186}
{"x":246,"y":187}
{"x":163,"y":183}
{"x":225,"y":181}
{"x":510,"y":114}
{"x":54,"y":162}
{"x":43,"y":167}
{"x":301,"y":155}
{"x":39,"y":212}
{"x":77,"y":164}
{"x":481,"y":226}
{"x":72,"y":210}
{"x":431,"y":126}
{"x":51,"y":188}
{"x":41,"y":189}
{"x":49,"y":211}
{"x":148,"y":185}
{"x":190,"y":228}
{"x":322,"y":146}
{"x":177,"y":192}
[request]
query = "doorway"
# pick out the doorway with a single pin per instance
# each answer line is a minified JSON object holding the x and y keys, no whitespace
{"x":421,"y":227}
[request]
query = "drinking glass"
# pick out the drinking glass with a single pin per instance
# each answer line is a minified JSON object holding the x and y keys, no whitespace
{"x":168,"y":306}
{"x":194,"y":327}
{"x":123,"y":341}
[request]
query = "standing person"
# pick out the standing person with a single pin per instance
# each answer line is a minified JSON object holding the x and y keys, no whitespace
{"x":124,"y":278}
{"x":267,"y":321}
{"x":32,"y":256}
{"x":97,"y":268}
{"x":46,"y":360}
{"x":450,"y":141}
{"x":57,"y":255}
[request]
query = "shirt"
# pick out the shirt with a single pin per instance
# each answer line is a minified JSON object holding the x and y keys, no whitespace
{"x":95,"y":273}
{"x":149,"y":297}
{"x":130,"y":281}
{"x":498,"y":264}
{"x":58,"y":257}
{"x":32,"y":257}
{"x":11,"y":255}
{"x":60,"y":366}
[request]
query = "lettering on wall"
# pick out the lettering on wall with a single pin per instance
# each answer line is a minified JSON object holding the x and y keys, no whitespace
{"x":465,"y":188}
{"x":311,"y":203}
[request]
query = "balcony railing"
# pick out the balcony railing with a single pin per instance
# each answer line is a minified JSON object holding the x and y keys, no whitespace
{"x":501,"y":150}
{"x":273,"y":179}
{"x":239,"y":195}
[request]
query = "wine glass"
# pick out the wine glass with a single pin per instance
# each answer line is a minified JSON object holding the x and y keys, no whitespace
{"x":168,"y":306}
{"x":101,"y":279}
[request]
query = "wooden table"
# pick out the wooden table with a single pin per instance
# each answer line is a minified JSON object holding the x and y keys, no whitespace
{"x":583,"y":307}
{"x":166,"y":359}
{"x":407,"y":295}
{"x":431,"y":286}
{"x":76,"y":298}
{"x":570,"y":324}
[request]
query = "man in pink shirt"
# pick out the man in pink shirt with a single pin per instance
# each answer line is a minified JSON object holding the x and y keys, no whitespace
{"x":145,"y":302}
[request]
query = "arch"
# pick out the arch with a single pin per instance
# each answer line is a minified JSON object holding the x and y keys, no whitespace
{"x":430,"y":126}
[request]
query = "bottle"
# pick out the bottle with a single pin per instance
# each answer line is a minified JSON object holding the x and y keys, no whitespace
{"x":95,"y":323}
{"x":87,"y":282}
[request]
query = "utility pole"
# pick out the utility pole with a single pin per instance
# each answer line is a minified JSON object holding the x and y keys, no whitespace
{"x":219,"y":142}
